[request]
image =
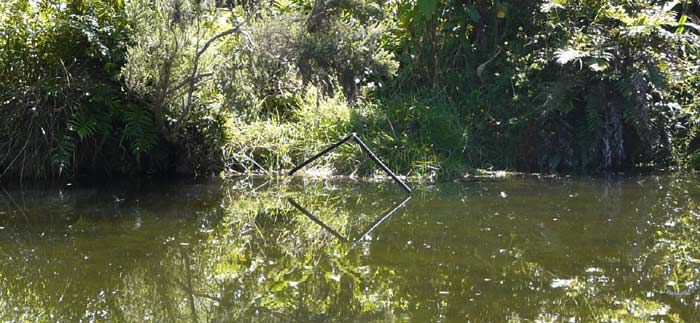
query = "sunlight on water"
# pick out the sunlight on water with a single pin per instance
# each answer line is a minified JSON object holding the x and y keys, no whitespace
{"x":499,"y":250}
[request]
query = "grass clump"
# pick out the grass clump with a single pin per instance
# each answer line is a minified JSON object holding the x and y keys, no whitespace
{"x":277,"y":143}
{"x":413,"y":139}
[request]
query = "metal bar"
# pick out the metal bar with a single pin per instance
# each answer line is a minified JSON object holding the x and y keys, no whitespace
{"x":379,"y":162}
{"x":315,"y":219}
{"x":373,"y":226}
{"x":325,"y":151}
{"x":383,"y":217}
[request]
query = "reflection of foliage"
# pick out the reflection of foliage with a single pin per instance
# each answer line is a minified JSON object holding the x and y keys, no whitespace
{"x":283,"y":265}
{"x":678,"y":245}
{"x":97,"y":260}
{"x":456,"y":253}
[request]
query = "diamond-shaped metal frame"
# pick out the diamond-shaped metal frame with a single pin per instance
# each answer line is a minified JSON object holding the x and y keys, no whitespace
{"x":371,"y":228}
{"x":365,"y":149}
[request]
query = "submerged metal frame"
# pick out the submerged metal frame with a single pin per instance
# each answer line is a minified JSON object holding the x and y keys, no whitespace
{"x":365,"y":149}
{"x":371,"y":228}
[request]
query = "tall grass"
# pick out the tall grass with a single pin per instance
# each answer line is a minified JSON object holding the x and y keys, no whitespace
{"x":416,"y":138}
{"x":279,"y":142}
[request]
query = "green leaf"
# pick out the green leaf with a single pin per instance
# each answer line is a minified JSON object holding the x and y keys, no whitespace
{"x":501,"y":10}
{"x":473,"y":13}
{"x":279,"y":286}
{"x":426,"y":7}
{"x":681,"y":24}
{"x":551,"y":5}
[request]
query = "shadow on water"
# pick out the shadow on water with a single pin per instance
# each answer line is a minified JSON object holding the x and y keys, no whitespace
{"x":506,"y":250}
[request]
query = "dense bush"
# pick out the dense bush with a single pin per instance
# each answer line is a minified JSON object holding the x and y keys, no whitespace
{"x":332,"y":46}
{"x":435,"y":86}
{"x":171,"y":65}
{"x":613,"y":84}
{"x":62,"y":105}
{"x":581,"y":86}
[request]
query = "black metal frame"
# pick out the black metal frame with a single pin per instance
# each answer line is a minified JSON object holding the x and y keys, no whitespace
{"x":371,"y":228}
{"x":365,"y":149}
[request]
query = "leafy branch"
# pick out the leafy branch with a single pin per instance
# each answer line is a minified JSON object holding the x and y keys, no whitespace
{"x":192,"y":80}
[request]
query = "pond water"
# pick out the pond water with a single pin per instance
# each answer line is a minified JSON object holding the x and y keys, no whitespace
{"x":519,"y":249}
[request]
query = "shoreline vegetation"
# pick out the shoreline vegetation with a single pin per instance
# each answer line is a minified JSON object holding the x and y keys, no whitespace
{"x":437,"y":88}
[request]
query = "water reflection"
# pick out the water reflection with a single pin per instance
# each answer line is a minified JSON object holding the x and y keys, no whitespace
{"x":545,"y":250}
{"x":364,"y":233}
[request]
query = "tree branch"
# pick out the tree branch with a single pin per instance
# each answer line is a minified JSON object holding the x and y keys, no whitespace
{"x":195,"y":66}
{"x":187,"y":81}
{"x":219,"y":35}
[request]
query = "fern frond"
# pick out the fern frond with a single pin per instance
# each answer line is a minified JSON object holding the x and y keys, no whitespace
{"x":139,"y":130}
{"x":83,"y":124}
{"x":64,"y":153}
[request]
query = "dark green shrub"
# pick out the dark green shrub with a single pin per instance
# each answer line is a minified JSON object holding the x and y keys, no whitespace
{"x":64,"y":109}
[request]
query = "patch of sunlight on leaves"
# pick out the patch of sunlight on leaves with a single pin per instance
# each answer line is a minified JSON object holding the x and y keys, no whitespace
{"x":562,"y":283}
{"x":568,"y":55}
{"x":551,"y":5}
{"x":487,"y":173}
{"x":319,"y":172}
{"x":599,"y":65}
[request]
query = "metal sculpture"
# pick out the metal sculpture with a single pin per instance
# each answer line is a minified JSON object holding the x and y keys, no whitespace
{"x":365,"y":149}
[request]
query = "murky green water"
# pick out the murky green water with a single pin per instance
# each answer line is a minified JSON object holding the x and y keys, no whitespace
{"x":492,"y":250}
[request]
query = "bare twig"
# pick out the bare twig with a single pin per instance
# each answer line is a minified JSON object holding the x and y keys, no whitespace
{"x":187,"y":81}
{"x":29,"y":137}
{"x":480,"y":69}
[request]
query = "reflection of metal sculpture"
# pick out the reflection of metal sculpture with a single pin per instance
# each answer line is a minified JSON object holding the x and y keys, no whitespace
{"x":367,"y":151}
{"x":371,"y":228}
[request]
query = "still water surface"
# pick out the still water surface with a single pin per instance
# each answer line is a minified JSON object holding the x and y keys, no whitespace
{"x":520,"y":249}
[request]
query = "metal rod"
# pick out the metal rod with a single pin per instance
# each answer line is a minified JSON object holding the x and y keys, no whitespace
{"x":365,"y":149}
{"x":325,"y":151}
{"x":315,"y":219}
{"x":383,"y":217}
{"x":379,"y":162}
{"x":373,"y":226}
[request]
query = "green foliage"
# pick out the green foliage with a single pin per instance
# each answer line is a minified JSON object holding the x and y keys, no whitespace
{"x":167,"y":37}
{"x":614,"y":86}
{"x":200,"y":145}
{"x":276,"y":143}
{"x":445,"y":43}
{"x":139,"y":131}
{"x":261,"y":77}
{"x":330,"y":45}
{"x":171,"y":64}
{"x":62,"y":105}
{"x":581,"y":86}
{"x":437,"y":86}
{"x":343,"y":44}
